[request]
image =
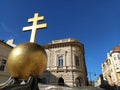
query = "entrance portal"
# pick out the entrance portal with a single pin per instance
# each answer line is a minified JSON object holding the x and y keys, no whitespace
{"x":60,"y":81}
{"x":78,"y":82}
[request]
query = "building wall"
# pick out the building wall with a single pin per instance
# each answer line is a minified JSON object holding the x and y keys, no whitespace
{"x":100,"y":82}
{"x":4,"y":51}
{"x":69,"y":72}
{"x":111,"y":68}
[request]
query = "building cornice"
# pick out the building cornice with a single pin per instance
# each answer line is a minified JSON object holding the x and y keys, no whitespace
{"x":4,"y":43}
{"x":65,"y":44}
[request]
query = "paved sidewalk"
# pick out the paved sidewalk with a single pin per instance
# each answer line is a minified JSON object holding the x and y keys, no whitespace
{"x":52,"y":87}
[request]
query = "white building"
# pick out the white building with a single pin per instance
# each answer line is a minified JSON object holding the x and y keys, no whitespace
{"x":111,"y":67}
{"x":100,"y":82}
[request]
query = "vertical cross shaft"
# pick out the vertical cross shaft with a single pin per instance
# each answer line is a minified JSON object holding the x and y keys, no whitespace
{"x":35,"y":26}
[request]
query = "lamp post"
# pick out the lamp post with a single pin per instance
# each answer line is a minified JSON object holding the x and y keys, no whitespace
{"x":91,"y":82}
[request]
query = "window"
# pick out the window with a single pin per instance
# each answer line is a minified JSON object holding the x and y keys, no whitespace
{"x":114,"y":57}
{"x":2,"y":64}
{"x":118,"y":56}
{"x":117,"y":67}
{"x":77,"y":61}
{"x":60,"y":61}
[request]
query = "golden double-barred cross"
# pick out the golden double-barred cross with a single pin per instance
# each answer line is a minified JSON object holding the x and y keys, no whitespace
{"x":35,"y":26}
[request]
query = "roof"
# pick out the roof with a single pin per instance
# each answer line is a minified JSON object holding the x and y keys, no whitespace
{"x":117,"y":48}
{"x":4,"y":43}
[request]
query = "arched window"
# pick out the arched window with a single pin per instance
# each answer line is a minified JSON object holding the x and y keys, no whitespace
{"x":78,"y":82}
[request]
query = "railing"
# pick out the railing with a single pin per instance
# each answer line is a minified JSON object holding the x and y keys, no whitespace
{"x":11,"y":84}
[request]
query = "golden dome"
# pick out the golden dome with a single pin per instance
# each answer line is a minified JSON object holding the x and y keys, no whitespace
{"x":27,"y":59}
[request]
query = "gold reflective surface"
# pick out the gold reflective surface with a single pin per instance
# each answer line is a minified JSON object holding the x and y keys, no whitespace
{"x":27,"y":59}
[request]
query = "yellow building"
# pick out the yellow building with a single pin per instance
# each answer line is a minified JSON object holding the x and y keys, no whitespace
{"x":111,"y":67}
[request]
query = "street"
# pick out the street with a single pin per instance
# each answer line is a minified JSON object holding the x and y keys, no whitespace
{"x":89,"y":88}
{"x":52,"y":87}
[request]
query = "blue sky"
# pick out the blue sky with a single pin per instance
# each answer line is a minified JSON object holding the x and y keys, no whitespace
{"x":95,"y":23}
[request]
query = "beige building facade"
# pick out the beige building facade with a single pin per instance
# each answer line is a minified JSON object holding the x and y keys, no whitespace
{"x":111,"y":67}
{"x":66,"y":63}
{"x":65,"y":66}
{"x":4,"y":51}
{"x":100,"y":81}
